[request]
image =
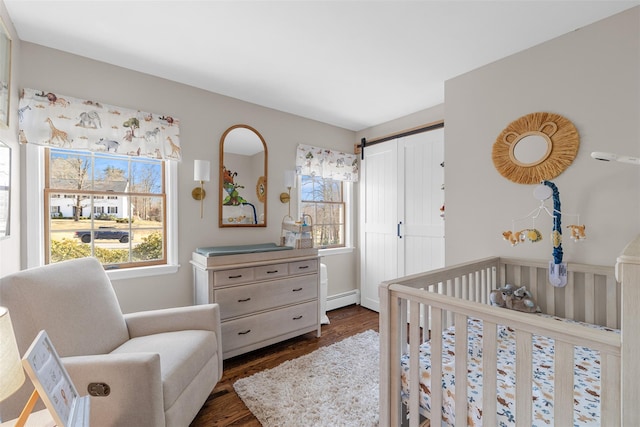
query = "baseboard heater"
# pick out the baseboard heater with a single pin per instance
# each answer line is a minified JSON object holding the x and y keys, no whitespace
{"x":342,"y":300}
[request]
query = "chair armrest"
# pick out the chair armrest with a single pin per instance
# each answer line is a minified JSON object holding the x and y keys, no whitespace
{"x":136,"y":395}
{"x":203,"y":317}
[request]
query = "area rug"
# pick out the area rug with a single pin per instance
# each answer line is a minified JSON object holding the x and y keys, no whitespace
{"x":337,"y":385}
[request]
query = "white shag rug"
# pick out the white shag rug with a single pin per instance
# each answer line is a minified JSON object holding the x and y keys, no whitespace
{"x":337,"y":385}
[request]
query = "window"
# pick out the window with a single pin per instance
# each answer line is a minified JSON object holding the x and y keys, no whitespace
{"x":128,"y":200}
{"x":323,"y":199}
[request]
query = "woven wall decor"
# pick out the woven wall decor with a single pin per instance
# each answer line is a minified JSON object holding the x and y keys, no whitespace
{"x":562,"y":142}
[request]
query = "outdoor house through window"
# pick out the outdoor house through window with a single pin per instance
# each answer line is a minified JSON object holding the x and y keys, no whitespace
{"x":107,"y":206}
{"x":322,"y":200}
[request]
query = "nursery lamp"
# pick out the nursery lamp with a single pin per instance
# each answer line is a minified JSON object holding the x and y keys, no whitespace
{"x":201,"y":172}
{"x":11,"y":373}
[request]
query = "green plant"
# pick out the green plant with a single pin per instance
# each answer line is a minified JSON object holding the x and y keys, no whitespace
{"x":151,"y":247}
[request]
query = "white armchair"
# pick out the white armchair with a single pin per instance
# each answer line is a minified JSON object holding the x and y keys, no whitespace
{"x":160,"y":365}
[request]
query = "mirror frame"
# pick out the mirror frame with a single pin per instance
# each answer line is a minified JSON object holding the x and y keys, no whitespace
{"x":261,"y":185}
{"x":562,"y":140}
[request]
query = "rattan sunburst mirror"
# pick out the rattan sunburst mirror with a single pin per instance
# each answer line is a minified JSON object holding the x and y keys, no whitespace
{"x":535,"y":147}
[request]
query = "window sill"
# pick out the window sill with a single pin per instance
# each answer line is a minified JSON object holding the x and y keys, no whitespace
{"x":334,"y":251}
{"x":133,"y":273}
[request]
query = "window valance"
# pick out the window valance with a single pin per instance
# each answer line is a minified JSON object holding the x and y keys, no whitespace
{"x":47,"y":118}
{"x":326,"y":163}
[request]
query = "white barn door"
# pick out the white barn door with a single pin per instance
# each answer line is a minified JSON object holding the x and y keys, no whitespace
{"x":379,"y":220}
{"x":401,"y":193}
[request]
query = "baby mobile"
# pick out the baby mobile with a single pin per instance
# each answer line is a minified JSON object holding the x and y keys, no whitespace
{"x":557,"y":268}
{"x":533,"y":149}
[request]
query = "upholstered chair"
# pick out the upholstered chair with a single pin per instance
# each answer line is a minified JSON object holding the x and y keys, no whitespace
{"x":160,"y":365}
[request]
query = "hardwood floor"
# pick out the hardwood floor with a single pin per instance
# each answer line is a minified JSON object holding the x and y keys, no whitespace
{"x":225,"y":408}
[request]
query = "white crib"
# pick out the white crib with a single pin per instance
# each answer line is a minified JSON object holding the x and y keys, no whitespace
{"x":412,"y":308}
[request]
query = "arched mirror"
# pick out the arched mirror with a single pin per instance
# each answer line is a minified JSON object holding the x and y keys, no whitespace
{"x":243,"y":178}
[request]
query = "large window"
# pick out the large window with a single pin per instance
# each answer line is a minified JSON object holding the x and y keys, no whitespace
{"x":110,"y":207}
{"x":323,"y":200}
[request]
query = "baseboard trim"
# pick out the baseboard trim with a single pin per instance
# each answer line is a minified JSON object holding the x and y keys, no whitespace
{"x":342,"y":300}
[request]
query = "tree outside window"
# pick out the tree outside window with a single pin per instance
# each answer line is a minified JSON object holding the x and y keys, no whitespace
{"x":322,"y":199}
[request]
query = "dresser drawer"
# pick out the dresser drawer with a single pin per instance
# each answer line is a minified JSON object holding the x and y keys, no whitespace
{"x":271,"y":271}
{"x":237,"y":275}
{"x":246,"y":299}
{"x":303,"y":267}
{"x":254,"y":329}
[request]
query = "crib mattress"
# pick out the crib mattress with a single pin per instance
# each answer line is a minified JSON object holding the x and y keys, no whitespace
{"x":586,"y":378}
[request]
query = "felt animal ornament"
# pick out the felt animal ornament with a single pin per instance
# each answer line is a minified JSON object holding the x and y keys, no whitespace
{"x":511,"y":237}
{"x":577,"y":232}
{"x":530,"y":234}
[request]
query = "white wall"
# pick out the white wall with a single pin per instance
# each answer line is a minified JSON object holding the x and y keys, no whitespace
{"x":592,"y":77}
{"x":204,"y":117}
{"x":10,"y":247}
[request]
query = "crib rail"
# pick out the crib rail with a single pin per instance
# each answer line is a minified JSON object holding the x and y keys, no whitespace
{"x":565,"y":335}
{"x":456,"y":293}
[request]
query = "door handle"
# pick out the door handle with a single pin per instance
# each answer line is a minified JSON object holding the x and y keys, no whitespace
{"x":399,"y":235}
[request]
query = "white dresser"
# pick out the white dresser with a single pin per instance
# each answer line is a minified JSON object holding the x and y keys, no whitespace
{"x":264,"y":297}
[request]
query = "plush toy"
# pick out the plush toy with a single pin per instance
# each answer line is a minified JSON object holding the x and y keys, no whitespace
{"x":513,"y":298}
{"x":577,"y":232}
{"x":497,"y":297}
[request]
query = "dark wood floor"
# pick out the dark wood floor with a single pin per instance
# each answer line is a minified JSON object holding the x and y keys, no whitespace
{"x":225,"y":408}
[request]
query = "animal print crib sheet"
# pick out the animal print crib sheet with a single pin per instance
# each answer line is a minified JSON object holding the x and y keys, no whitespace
{"x":586,"y":378}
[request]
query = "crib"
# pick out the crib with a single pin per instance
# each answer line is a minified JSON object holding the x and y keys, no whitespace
{"x":599,"y":302}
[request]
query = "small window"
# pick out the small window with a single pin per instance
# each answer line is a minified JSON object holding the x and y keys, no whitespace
{"x":110,"y":207}
{"x":323,"y":200}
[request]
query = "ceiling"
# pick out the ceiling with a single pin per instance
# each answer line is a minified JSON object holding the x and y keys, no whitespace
{"x":352,"y":64}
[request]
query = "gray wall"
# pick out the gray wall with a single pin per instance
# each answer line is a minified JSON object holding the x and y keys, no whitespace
{"x":204,"y":117}
{"x":590,"y":76}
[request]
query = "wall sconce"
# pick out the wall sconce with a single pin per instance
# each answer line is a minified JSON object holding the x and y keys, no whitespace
{"x":201,"y":172}
{"x":289,"y":182}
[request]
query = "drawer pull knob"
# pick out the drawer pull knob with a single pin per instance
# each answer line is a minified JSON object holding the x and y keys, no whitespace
{"x":244,"y":332}
{"x":272,"y":271}
{"x":297,"y":318}
{"x":302,"y":267}
{"x":235,"y":277}
{"x":245,"y":299}
{"x":297,"y":289}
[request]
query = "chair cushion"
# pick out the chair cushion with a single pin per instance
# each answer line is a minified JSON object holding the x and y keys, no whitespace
{"x":183,"y":354}
{"x":72,"y":300}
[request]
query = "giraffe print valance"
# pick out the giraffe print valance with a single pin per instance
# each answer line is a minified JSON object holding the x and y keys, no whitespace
{"x":47,"y":118}
{"x":336,"y":165}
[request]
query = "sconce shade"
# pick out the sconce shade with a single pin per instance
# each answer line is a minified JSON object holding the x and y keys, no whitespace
{"x":11,"y":372}
{"x":201,"y":170}
{"x":290,"y":179}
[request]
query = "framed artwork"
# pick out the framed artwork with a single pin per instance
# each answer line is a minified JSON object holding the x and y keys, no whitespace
{"x":5,"y":74}
{"x":53,"y":384}
{"x":5,"y":189}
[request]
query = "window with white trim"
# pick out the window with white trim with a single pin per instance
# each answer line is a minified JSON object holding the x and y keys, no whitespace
{"x":322,"y":199}
{"x":127,"y":198}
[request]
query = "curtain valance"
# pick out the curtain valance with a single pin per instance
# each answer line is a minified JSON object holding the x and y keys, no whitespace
{"x":47,"y":118}
{"x":326,"y":163}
